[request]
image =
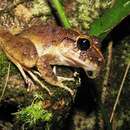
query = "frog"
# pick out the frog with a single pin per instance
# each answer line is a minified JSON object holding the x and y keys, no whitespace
{"x":43,"y":46}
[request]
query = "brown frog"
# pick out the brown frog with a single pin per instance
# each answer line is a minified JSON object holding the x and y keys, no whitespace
{"x":42,"y":46}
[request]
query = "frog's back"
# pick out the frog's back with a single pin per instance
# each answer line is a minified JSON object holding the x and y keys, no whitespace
{"x":19,"y":49}
{"x":48,"y":34}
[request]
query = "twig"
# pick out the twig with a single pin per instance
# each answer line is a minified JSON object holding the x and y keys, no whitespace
{"x":119,"y":92}
{"x":104,"y":119}
{"x":7,"y":78}
{"x":61,"y":13}
{"x":106,"y":77}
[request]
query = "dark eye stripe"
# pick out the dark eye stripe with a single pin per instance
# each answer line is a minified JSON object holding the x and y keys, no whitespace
{"x":83,"y":44}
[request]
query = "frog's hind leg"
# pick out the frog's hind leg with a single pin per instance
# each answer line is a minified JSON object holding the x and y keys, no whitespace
{"x":26,"y":79}
{"x":38,"y":81}
{"x":44,"y":67}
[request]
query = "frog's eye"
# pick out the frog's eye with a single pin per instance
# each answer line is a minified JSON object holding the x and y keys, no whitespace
{"x":83,"y":44}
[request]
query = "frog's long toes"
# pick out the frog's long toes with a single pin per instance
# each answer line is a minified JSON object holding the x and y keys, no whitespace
{"x":39,"y":82}
{"x":72,"y":92}
{"x":29,"y":82}
{"x":50,"y":93}
{"x":46,"y":88}
{"x":68,"y":89}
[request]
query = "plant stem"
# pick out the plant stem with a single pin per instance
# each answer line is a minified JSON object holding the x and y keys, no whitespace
{"x":107,"y":74}
{"x":7,"y":78}
{"x":61,"y":13}
{"x":119,"y":92}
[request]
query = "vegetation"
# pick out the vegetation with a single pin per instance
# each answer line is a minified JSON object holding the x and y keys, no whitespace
{"x":100,"y":17}
{"x":33,"y":114}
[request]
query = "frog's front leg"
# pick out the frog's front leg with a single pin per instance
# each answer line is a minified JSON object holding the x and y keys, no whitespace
{"x":44,"y":67}
{"x":60,"y":77}
{"x":54,"y":71}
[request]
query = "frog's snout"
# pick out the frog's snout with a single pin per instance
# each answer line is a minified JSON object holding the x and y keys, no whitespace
{"x":100,"y":60}
{"x":99,"y":57}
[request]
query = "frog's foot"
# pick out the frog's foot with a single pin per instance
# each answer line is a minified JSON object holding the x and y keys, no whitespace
{"x":37,"y":73}
{"x":29,"y":82}
{"x":38,"y":81}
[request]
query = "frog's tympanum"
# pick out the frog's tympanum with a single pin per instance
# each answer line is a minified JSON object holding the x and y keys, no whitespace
{"x":42,"y":46}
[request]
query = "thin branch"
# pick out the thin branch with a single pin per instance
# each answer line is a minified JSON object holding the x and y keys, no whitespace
{"x":119,"y":92}
{"x":7,"y":78}
{"x":107,"y":73}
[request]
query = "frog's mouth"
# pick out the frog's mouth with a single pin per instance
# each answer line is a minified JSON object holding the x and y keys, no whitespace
{"x":91,"y":69}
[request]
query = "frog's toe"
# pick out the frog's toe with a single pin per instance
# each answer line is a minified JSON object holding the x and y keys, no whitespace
{"x":61,"y":85}
{"x":61,"y":79}
{"x":69,"y":90}
{"x":39,"y":82}
{"x":29,"y":82}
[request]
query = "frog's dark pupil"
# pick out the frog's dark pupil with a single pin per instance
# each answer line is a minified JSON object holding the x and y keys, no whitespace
{"x":83,"y":44}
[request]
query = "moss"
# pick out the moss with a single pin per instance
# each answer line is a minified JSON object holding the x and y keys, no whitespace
{"x":33,"y":114}
{"x":126,"y":51}
{"x":82,"y":121}
{"x":86,"y":11}
{"x":120,"y":59}
{"x":41,"y":9}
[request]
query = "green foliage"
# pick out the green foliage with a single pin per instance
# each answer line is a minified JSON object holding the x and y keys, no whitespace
{"x":61,"y":13}
{"x":86,"y":11}
{"x":41,"y":9}
{"x":33,"y":114}
{"x":102,"y":26}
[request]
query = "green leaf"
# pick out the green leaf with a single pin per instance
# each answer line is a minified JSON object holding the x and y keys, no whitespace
{"x":103,"y":25}
{"x":61,"y":13}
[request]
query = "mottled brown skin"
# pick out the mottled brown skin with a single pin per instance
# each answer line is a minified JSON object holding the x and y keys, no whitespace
{"x":46,"y":45}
